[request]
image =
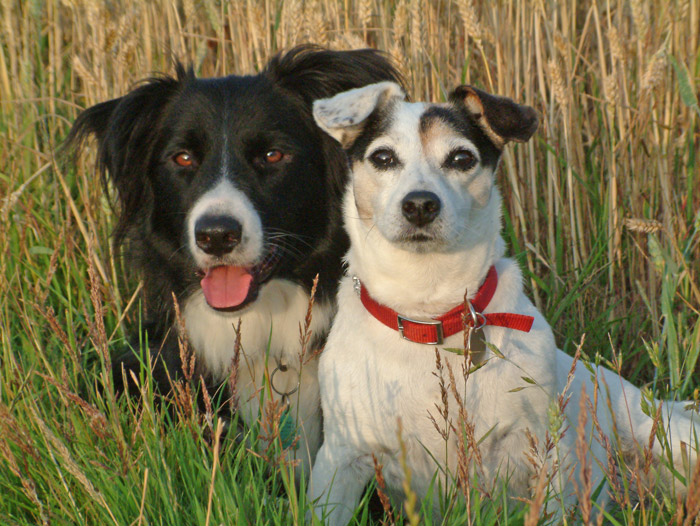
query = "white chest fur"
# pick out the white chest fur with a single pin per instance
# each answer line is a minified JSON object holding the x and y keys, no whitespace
{"x":272,"y":322}
{"x":370,"y":378}
{"x":270,"y":330}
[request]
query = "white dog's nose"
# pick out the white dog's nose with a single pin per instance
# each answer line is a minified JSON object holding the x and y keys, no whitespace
{"x":420,"y":208}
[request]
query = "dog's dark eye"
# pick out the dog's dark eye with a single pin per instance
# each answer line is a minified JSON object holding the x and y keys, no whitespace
{"x":184,"y":159}
{"x":461,"y":160}
{"x":273,"y":156}
{"x":383,"y":158}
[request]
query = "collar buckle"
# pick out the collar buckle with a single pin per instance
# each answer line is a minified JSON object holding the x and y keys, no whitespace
{"x":435,"y":323}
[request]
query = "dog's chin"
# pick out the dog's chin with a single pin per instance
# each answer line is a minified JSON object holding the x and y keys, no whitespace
{"x":420,"y":242}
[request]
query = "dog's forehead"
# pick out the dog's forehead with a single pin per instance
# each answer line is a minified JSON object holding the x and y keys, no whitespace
{"x":445,"y":123}
{"x":242,"y":108}
{"x":435,"y":127}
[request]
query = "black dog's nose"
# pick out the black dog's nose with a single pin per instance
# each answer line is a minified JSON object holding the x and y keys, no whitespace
{"x":420,"y":208}
{"x":217,"y":235}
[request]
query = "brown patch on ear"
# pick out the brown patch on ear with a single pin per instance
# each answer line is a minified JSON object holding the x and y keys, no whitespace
{"x":347,"y":136}
{"x":502,"y":119}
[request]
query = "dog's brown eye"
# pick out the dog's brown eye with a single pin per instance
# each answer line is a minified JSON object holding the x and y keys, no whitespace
{"x":383,"y":158}
{"x":184,"y":159}
{"x":273,"y":156}
{"x":461,"y":160}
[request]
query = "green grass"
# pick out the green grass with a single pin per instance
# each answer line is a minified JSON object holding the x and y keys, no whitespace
{"x":602,"y":212}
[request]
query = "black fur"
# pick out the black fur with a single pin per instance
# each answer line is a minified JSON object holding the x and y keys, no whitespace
{"x":457,"y":117}
{"x":138,"y":135}
{"x":510,"y":120}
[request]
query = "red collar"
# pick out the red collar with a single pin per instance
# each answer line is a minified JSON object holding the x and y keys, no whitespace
{"x":452,"y":322}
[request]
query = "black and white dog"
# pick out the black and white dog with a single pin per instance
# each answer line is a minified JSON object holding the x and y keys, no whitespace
{"x":424,"y":217}
{"x":229,"y":198}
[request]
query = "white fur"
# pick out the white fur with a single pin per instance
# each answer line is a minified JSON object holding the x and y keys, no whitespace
{"x":370,"y":377}
{"x":269,"y":327}
{"x":223,"y":199}
{"x":343,"y":119}
{"x":269,"y":336}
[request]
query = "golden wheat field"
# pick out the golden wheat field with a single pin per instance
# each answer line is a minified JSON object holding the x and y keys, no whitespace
{"x":602,"y":212}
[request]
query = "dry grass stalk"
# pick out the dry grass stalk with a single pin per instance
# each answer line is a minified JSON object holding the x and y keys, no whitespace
{"x":416,"y":42}
{"x":217,"y":444}
{"x":535,"y":511}
{"x":612,"y":473}
{"x":98,"y":332}
{"x":584,"y":486}
{"x":208,"y":410}
{"x":411,"y":499}
{"x":28,"y":484}
{"x":649,"y":447}
{"x":400,"y":21}
{"x":443,"y":408}
{"x":348,"y":41}
{"x":106,"y":50}
{"x":640,"y":19}
{"x":692,"y":500}
{"x":60,"y":333}
{"x":466,"y":426}
{"x":655,"y":72}
{"x":270,"y":426}
{"x":617,"y":49}
{"x":315,"y":27}
{"x":364,"y":15}
{"x":53,"y":265}
{"x":305,"y":331}
{"x":13,"y":433}
{"x":645,"y":226}
{"x":296,"y":14}
{"x":612,"y":91}
{"x":98,"y":422}
{"x":235,"y":364}
{"x":558,"y":84}
{"x":381,"y":492}
{"x":182,"y":388}
{"x":472,"y":26}
{"x":71,"y":466}
{"x":187,"y":358}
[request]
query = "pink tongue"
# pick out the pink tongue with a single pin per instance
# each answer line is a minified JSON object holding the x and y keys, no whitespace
{"x":226,"y":287}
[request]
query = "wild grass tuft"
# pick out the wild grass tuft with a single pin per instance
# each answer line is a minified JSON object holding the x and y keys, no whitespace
{"x":602,"y":211}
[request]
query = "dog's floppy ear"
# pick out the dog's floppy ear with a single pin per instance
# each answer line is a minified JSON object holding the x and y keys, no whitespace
{"x":344,"y":116}
{"x":502,"y":119}
{"x":126,"y":130}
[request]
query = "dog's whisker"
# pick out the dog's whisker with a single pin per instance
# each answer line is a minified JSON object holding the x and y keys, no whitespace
{"x":177,"y":251}
{"x":291,"y":251}
{"x":278,"y":233}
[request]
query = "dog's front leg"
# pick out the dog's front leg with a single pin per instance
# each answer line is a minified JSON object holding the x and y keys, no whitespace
{"x":337,"y":480}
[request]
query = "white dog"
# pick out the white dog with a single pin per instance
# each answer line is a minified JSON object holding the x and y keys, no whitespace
{"x":424,"y":218}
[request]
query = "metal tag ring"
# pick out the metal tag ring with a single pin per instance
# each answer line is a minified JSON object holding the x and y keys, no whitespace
{"x":283,"y":368}
{"x":478,"y":318}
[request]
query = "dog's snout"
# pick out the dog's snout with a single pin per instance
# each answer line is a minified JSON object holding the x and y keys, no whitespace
{"x":420,"y":208}
{"x":217,"y":235}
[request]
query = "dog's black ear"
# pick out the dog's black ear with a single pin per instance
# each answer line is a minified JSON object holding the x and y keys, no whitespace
{"x":312,"y":72}
{"x":502,"y":119}
{"x":344,"y":116}
{"x":126,"y":130}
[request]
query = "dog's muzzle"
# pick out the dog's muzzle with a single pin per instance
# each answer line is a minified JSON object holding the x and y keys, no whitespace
{"x":217,"y":235}
{"x":420,"y":208}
